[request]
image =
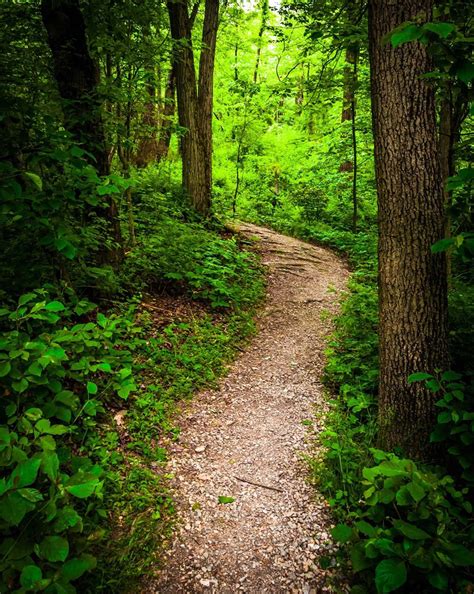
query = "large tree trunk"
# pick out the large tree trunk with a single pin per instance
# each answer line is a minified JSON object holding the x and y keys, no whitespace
{"x":77,"y":77}
{"x":195,"y":103}
{"x":412,"y":281}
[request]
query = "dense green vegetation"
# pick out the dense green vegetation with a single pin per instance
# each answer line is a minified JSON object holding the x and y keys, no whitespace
{"x":123,"y":291}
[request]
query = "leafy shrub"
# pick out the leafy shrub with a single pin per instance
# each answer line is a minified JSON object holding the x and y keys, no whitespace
{"x":54,"y":376}
{"x":413,"y":530}
{"x":206,"y":266}
{"x":455,"y":421}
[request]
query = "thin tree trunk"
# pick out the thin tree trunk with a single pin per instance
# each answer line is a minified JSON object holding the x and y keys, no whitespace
{"x":77,"y":77}
{"x":263,"y":26}
{"x":412,"y":280}
{"x":167,"y":114}
{"x":354,"y":158}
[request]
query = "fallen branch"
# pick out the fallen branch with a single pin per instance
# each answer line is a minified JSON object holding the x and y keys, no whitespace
{"x":258,"y":484}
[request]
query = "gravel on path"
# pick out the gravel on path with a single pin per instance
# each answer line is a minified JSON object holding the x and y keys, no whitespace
{"x":245,"y":440}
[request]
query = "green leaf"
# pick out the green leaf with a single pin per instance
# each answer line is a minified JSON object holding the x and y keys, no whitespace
{"x":439,"y":579}
{"x":442,"y":245}
{"x":20,"y":386}
{"x":5,"y":368}
{"x":450,"y":376}
{"x":54,"y":306}
{"x":74,"y":568}
{"x":26,"y":298}
{"x":390,"y":574}
{"x":460,"y":555}
{"x":50,"y":464}
{"x":342,"y":533}
{"x":36,"y":179}
{"x":443,"y":30}
{"x":91,"y":388}
{"x":54,"y":548}
{"x":366,"y":528}
{"x":416,"y":491}
{"x":32,"y":495}
{"x":224,"y":499}
{"x":14,"y":507}
{"x":410,"y":530}
{"x":30,"y":575}
{"x":25,"y":473}
{"x":358,"y":557}
{"x":465,"y":71}
{"x":409,"y":32}
{"x":67,"y":517}
{"x":82,"y":484}
{"x":418,"y":377}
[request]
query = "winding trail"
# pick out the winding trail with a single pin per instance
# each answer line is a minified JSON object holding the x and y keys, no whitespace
{"x":246,"y":439}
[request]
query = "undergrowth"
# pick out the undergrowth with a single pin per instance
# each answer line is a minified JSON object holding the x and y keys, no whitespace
{"x":89,"y":392}
{"x":404,"y":526}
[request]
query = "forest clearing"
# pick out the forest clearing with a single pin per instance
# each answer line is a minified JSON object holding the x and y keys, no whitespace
{"x":237,"y":296}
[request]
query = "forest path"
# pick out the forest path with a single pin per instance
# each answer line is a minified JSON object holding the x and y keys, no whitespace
{"x":250,"y":429}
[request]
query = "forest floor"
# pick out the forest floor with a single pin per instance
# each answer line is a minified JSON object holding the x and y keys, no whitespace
{"x":247,"y":439}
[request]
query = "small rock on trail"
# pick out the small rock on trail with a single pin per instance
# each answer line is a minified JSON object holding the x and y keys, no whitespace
{"x":243,"y":444}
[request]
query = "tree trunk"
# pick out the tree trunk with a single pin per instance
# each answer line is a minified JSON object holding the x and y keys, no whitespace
{"x":167,"y":114}
{"x":77,"y":77}
{"x":412,"y":280}
{"x":195,"y":103}
{"x":263,"y":26}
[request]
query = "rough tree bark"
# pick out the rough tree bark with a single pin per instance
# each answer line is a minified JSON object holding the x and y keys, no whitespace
{"x":195,"y":98}
{"x":77,"y":77}
{"x":412,"y":281}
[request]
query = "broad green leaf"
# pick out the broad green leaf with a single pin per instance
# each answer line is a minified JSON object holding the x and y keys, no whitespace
{"x":30,"y":575}
{"x":14,"y":507}
{"x":443,"y":30}
{"x":438,"y":579}
{"x":459,"y":554}
{"x":342,"y":533}
{"x":442,"y":245}
{"x":465,"y":71}
{"x":419,"y":377}
{"x":366,"y":528}
{"x":91,"y":388}
{"x":67,"y":517}
{"x":36,"y":179}
{"x":410,"y":32}
{"x":24,"y":299}
{"x":410,"y":530}
{"x":390,"y":574}
{"x":54,"y":306}
{"x":82,"y":484}
{"x":416,"y":491}
{"x":5,"y":368}
{"x":74,"y":568}
{"x":54,"y":548}
{"x":50,"y":464}
{"x":25,"y":473}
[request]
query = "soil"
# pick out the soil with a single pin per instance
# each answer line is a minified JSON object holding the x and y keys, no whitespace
{"x":247,"y":441}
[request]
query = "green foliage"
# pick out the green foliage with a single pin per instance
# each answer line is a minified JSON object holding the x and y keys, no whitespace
{"x":54,"y":377}
{"x":188,"y":257}
{"x":455,"y":421}
{"x":412,"y":530}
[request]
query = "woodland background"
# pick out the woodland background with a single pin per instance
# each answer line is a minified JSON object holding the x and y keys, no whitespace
{"x":120,"y":169}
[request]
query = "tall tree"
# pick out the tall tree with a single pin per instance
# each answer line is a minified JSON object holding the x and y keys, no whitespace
{"x":195,"y":97}
{"x":412,"y":280}
{"x":77,"y":77}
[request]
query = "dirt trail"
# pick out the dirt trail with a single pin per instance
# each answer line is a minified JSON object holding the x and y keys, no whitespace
{"x":249,"y":433}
